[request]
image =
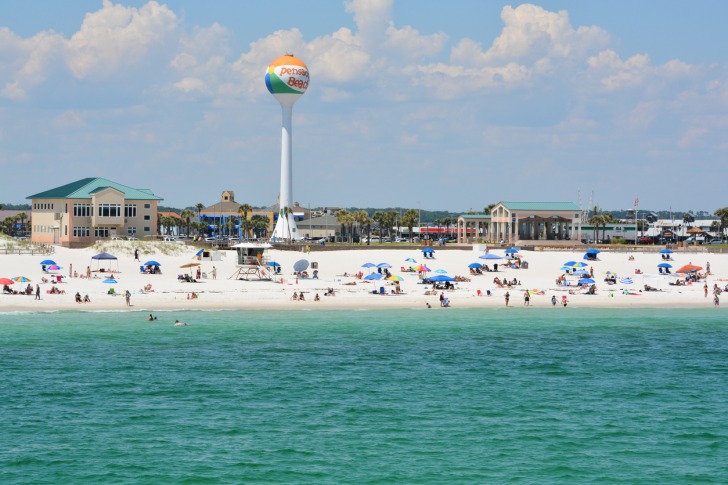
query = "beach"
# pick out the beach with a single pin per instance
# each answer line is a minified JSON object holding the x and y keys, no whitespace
{"x":337,"y":270}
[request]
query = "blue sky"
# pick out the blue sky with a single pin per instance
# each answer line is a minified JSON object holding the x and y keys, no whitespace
{"x":422,"y":104}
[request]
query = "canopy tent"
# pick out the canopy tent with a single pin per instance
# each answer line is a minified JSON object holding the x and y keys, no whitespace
{"x":439,"y":278}
{"x":106,"y":257}
{"x":512,"y":250}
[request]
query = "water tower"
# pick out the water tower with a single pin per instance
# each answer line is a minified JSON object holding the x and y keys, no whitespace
{"x":287,"y":79}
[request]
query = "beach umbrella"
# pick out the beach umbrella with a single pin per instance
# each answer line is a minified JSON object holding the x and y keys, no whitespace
{"x":110,"y":280}
{"x":512,"y":250}
{"x":373,"y":276}
{"x":664,"y":265}
{"x":410,"y":260}
{"x":152,"y":263}
{"x":475,"y":266}
{"x":21,"y":279}
{"x":53,"y":267}
{"x":395,"y":278}
{"x":575,"y":264}
{"x":592,"y":251}
{"x":368,"y":265}
{"x":580,"y":272}
{"x":689,"y":268}
{"x":384,"y":265}
{"x":189,"y":265}
{"x":47,"y":262}
{"x":490,"y":256}
{"x":666,"y":251}
{"x":586,"y":281}
{"x":6,"y":281}
{"x":428,"y":250}
{"x":566,"y":268}
{"x":300,"y":265}
{"x":273,"y":264}
{"x":440,"y":271}
{"x":440,"y":278}
{"x":423,"y":268}
{"x":626,"y":281}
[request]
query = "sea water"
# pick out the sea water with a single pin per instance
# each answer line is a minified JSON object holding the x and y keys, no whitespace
{"x":405,"y":396}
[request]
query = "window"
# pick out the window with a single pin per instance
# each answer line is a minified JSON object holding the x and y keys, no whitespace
{"x":130,"y":210}
{"x":101,"y":232}
{"x":65,"y":230}
{"x":131,"y":231}
{"x":109,"y":210}
{"x":147,"y":217}
{"x":147,"y":229}
{"x":147,"y":206}
{"x":81,"y":231}
{"x":83,"y":210}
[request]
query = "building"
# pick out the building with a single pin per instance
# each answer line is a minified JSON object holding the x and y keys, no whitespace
{"x":79,"y":213}
{"x":520,"y":222}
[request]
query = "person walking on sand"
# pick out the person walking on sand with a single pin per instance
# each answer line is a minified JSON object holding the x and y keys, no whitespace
{"x":705,"y":289}
{"x":508,"y":297}
{"x":136,"y":254}
{"x":214,"y":273}
{"x":127,"y":295}
{"x":70,"y":270}
{"x":37,"y":292}
{"x":88,"y":272}
{"x":526,"y":298}
{"x":553,"y":300}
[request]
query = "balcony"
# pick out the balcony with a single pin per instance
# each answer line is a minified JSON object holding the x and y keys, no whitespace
{"x":107,"y":220}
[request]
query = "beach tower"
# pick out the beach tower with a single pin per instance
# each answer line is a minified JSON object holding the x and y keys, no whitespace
{"x":287,"y":79}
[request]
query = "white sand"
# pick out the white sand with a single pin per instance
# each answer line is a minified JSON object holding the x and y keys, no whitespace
{"x":225,"y":293}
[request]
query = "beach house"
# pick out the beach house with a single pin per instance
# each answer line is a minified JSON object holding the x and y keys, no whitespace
{"x":81,"y":212}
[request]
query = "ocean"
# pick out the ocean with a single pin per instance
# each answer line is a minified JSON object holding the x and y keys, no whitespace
{"x":521,"y":395}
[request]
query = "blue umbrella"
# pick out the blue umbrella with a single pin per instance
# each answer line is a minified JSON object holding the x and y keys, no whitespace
{"x":580,"y":272}
{"x":440,"y":277}
{"x":575,"y":264}
{"x":47,"y":262}
{"x":626,"y":281}
{"x":440,"y":271}
{"x":490,"y":256}
{"x":666,"y":251}
{"x":109,"y":280}
{"x":373,"y":276}
{"x":592,"y":251}
{"x":410,"y":260}
{"x":664,"y":265}
{"x":428,"y":250}
{"x":586,"y":281}
{"x":273,"y":264}
{"x":152,"y":263}
{"x":475,"y":266}
{"x":368,"y":265}
{"x":512,"y":250}
{"x":384,"y":265}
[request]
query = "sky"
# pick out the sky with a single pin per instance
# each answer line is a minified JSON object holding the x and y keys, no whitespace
{"x":412,"y":103}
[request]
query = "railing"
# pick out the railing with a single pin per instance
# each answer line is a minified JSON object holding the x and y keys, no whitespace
{"x":31,"y":249}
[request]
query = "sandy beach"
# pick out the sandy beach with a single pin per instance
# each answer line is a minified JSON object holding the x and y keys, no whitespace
{"x":336,"y":270}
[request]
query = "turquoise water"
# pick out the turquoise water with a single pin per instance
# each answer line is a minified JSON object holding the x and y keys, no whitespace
{"x":427,"y":396}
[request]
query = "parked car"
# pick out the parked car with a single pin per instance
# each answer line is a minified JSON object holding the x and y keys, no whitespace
{"x":644,"y":240}
{"x":716,"y":240}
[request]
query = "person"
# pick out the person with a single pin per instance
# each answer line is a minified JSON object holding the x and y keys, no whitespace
{"x":508,"y":297}
{"x":428,"y":304}
{"x":151,"y":318}
{"x":705,"y":289}
{"x":300,"y":297}
{"x":78,"y":297}
{"x":317,"y":297}
{"x":707,"y":268}
{"x":70,"y":270}
{"x":716,"y":300}
{"x":631,"y":258}
{"x":136,"y":254}
{"x":88,"y":272}
{"x":295,"y":296}
{"x":553,"y":300}
{"x":177,"y":323}
{"x":214,"y":273}
{"x":564,"y":301}
{"x":37,"y":292}
{"x":86,"y":299}
{"x":526,"y":298}
{"x":442,"y":298}
{"x":128,"y":297}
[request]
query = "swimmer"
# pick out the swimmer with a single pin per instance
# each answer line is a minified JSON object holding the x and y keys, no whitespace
{"x":151,"y":318}
{"x":428,"y":305}
{"x":177,"y":323}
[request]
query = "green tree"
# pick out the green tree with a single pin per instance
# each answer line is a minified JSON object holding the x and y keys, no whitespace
{"x":260,"y":224}
{"x":409,"y":219}
{"x":722,"y":214}
{"x":187,"y":216}
{"x":243,"y":211}
{"x":343,"y":217}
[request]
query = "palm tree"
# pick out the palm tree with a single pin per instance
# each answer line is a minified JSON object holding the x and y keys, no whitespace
{"x":722,"y":214}
{"x":392,"y":220}
{"x":260,"y":224}
{"x":22,"y":216}
{"x":409,"y":219}
{"x":186,"y":216}
{"x":232,"y":221}
{"x":606,"y":219}
{"x":342,"y":217}
{"x":596,"y":221}
{"x":199,"y":206}
{"x":244,"y":210}
{"x":379,"y":217}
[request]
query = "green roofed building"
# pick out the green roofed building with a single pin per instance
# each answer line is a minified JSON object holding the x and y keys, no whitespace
{"x":520,"y":222}
{"x":79,"y":213}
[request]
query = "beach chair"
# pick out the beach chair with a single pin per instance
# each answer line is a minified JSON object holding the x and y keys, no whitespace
{"x":381,"y":291}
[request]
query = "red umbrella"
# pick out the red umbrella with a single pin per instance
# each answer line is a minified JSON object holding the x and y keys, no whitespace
{"x":6,"y":281}
{"x":689,"y":268}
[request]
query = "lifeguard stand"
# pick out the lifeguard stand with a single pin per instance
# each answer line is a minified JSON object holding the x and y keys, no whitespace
{"x":252,"y":261}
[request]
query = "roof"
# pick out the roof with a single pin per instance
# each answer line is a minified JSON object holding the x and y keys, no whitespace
{"x":169,"y":214}
{"x":84,"y":188}
{"x":221,"y":206}
{"x":475,"y":216}
{"x":541,"y":206}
